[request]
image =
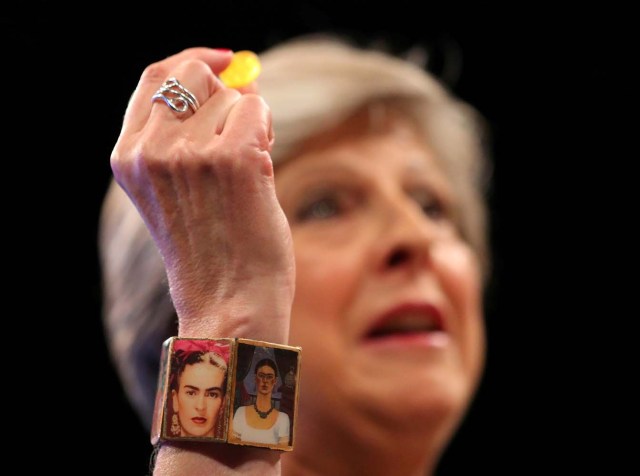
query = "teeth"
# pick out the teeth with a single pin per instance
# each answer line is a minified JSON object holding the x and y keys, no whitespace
{"x":409,"y":322}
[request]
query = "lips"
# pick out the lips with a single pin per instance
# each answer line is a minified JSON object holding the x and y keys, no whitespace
{"x":407,"y":319}
{"x":199,"y":420}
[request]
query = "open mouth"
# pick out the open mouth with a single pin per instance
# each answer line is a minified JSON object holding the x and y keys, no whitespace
{"x":408,"y":323}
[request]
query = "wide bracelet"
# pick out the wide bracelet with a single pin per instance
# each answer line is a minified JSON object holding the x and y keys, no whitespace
{"x":231,"y":390}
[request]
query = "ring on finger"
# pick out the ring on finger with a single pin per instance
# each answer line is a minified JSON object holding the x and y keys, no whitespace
{"x":176,"y":96}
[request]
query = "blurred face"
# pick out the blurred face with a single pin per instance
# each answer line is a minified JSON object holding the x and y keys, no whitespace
{"x":265,"y":380}
{"x":388,"y":296}
{"x":198,"y":398}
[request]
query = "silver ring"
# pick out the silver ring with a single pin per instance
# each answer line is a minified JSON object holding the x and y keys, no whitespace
{"x":176,"y":96}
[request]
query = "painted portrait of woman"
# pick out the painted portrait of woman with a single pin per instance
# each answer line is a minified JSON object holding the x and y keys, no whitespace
{"x":264,"y":405}
{"x":198,"y":382}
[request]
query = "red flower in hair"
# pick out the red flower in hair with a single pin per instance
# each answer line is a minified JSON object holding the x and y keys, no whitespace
{"x":222,"y":348}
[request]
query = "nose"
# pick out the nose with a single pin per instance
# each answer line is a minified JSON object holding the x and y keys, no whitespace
{"x":201,"y":403}
{"x":407,"y":236}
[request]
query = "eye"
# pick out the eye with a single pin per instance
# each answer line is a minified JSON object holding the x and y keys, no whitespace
{"x":431,"y":205}
{"x":320,"y":208}
{"x":214,"y":394}
{"x":190,"y":392}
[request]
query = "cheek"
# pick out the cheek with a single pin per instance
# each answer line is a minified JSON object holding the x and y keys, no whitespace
{"x":182,"y":403}
{"x":326,"y":281}
{"x":459,"y":272}
{"x":214,"y":406}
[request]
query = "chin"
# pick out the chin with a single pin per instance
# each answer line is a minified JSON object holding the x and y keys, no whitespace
{"x":197,"y":432}
{"x":434,"y":399}
{"x":426,"y":390}
{"x":420,"y":416}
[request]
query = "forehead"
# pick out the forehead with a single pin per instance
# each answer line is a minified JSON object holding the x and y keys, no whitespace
{"x":265,"y":369}
{"x":203,"y":373}
{"x":376,"y":120}
{"x":375,"y":142}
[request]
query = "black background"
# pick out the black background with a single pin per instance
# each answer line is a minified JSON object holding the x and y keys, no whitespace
{"x":548,"y":82}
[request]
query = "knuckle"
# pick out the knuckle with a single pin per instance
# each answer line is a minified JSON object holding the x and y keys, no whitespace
{"x":258,"y":107}
{"x":194,"y":65}
{"x":159,"y":71}
{"x":239,"y":157}
{"x":154,"y":73}
{"x":230,"y":94}
{"x":255,"y":101}
{"x":120,"y":161}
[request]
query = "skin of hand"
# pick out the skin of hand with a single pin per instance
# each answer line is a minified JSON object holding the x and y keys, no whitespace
{"x":203,"y":183}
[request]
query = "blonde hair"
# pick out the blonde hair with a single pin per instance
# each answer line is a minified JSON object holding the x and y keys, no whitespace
{"x":311,"y":84}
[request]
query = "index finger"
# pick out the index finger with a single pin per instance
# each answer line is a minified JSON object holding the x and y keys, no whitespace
{"x":139,"y":106}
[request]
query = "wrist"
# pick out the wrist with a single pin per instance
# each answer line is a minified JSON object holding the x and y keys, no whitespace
{"x":206,"y":447}
{"x":260,"y":311}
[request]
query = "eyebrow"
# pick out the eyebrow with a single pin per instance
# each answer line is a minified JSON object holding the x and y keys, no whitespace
{"x":207,"y":390}
{"x":415,"y":162}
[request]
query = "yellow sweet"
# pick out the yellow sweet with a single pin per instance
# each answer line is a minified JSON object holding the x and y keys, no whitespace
{"x":244,"y":68}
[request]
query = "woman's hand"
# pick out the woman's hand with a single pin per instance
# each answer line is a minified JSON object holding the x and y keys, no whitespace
{"x":203,"y":183}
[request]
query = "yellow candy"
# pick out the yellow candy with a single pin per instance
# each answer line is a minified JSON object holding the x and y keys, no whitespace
{"x":244,"y":68}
